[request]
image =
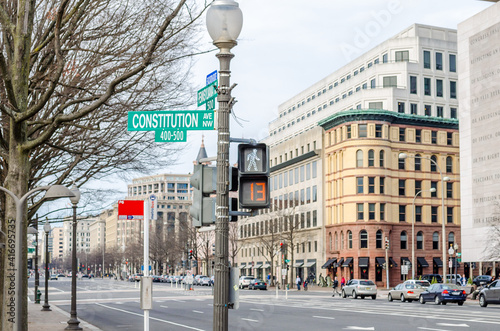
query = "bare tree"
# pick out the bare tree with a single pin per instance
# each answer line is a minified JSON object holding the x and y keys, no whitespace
{"x":234,"y":247}
{"x":70,"y":72}
{"x":204,"y":252}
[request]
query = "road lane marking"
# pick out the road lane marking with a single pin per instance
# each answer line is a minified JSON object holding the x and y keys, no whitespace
{"x":429,"y":329}
{"x":255,"y":309}
{"x":359,"y":328}
{"x":463,"y":325}
{"x":164,"y":306}
{"x":198,"y":312}
{"x":250,"y":320}
{"x":152,"y":318}
{"x":177,"y":300}
{"x":325,"y":317}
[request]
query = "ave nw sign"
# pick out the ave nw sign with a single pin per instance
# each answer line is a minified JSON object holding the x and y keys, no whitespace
{"x":170,"y":120}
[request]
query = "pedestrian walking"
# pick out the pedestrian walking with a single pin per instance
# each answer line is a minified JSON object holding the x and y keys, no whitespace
{"x":342,"y":282}
{"x":269,"y":279}
{"x":335,"y":287}
{"x":305,"y":285}
{"x":297,"y":282}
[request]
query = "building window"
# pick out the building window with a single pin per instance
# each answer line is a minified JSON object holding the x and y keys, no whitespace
{"x":434,"y":214}
{"x":360,"y":210}
{"x":315,"y":218}
{"x":402,"y":213}
{"x":381,"y":186}
{"x":439,"y":111}
{"x":427,"y":110}
{"x":363,"y":239}
{"x":434,"y":186}
{"x":418,"y":186}
{"x":376,"y":105}
{"x":348,"y":131}
{"x":427,"y":59}
{"x":418,"y":213}
{"x":420,"y":240}
{"x":378,"y":130}
{"x":302,"y":197}
{"x":314,"y":193}
{"x":449,"y":190}
{"x":451,"y":239}
{"x":378,"y":239}
{"x":453,"y":63}
{"x":390,"y":81}
{"x":413,"y":108}
{"x":349,"y":239}
{"x":418,"y":162}
{"x":381,"y":157}
{"x":427,"y":86}
{"x":402,"y":56}
{"x":359,"y":158}
{"x":402,"y":134}
{"x":439,"y":61}
{"x":382,"y":211}
{"x":449,"y":164}
{"x":371,"y":184}
{"x":434,"y":137}
{"x":449,"y":215}
{"x":413,"y":84}
{"x":373,"y":83}
{"x":401,"y":107}
{"x":371,"y":211}
{"x":359,"y":185}
{"x":435,"y":240}
{"x":341,"y":240}
{"x":385,"y":58}
{"x":364,"y":86}
{"x":439,"y":87}
{"x":453,"y":90}
{"x":314,"y":169}
{"x":403,"y":239}
{"x":302,"y":173}
{"x":433,"y":163}
{"x":402,"y":186}
{"x":453,"y":112}
{"x":371,"y":158}
{"x":401,"y":164}
{"x":449,"y":138}
{"x":362,"y":130}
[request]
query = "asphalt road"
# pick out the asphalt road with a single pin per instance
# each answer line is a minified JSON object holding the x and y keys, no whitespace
{"x":114,"y":305}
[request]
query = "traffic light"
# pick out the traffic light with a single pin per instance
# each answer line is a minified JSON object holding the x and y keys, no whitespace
{"x":281,"y":247}
{"x":253,"y":167}
{"x":387,"y":243}
{"x":287,"y":266}
{"x":190,"y":254}
{"x":204,"y":182}
{"x":213,"y":249}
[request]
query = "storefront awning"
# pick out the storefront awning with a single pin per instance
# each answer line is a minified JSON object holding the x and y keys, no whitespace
{"x":364,"y":262}
{"x":258,"y":266}
{"x":309,"y":264}
{"x":380,"y":261}
{"x":405,"y":260}
{"x":341,"y":261}
{"x":422,"y":262}
{"x":437,"y":261}
{"x":266,"y":265}
{"x":298,"y":264}
{"x":243,"y":266}
{"x":249,"y":266}
{"x":347,"y":261}
{"x":392,"y":263}
{"x":329,"y":263}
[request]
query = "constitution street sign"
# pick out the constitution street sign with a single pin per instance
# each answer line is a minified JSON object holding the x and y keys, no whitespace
{"x":170,"y":120}
{"x":170,"y":136}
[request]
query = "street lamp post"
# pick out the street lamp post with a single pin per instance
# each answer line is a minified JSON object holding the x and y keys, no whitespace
{"x":46,"y":306}
{"x":20,"y":292}
{"x":443,"y":229}
{"x":37,"y":275}
{"x":224,"y":22}
{"x":413,"y":265}
{"x":73,"y":323}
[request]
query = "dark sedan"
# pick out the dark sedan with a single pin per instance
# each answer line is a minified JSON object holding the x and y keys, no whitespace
{"x":257,"y":284}
{"x":482,"y":280}
{"x":443,"y":293}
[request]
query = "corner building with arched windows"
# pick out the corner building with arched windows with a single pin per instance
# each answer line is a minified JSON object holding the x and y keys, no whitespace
{"x":372,"y":195}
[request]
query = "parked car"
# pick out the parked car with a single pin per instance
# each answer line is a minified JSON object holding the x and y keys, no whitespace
{"x":443,"y":293}
{"x":204,"y":281}
{"x":360,"y":287}
{"x":156,"y":279}
{"x":257,"y":284}
{"x":490,"y":294}
{"x":429,"y":278}
{"x":85,"y":276}
{"x":406,"y":292}
{"x":245,"y":281}
{"x":423,"y":283}
{"x":53,"y":277}
{"x":137,"y":277}
{"x":61,"y":276}
{"x":482,"y":280}
{"x":196,"y":280}
{"x":454,"y":279}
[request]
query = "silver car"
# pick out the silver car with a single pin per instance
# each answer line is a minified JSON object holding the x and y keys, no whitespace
{"x":360,"y":288}
{"x":405,"y":292}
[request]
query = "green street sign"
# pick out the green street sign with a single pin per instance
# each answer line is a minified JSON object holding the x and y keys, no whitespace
{"x":210,"y":104}
{"x":170,"y":120}
{"x":31,"y":249}
{"x":170,"y":136}
{"x":459,"y":254}
{"x":287,"y":261}
{"x":207,"y":93}
{"x":459,"y":259}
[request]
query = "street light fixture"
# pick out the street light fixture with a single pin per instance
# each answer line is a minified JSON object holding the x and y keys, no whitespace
{"x":224,"y":23}
{"x":34,"y":230}
{"x":443,"y":229}
{"x":73,"y":321}
{"x":53,"y":192}
{"x":413,"y":265}
{"x":46,"y":228}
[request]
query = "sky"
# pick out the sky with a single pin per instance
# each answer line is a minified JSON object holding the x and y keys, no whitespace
{"x":288,"y":45}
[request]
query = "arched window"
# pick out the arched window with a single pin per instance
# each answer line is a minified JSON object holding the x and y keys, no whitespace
{"x":449,"y":164}
{"x":349,"y":240}
{"x":378,"y":239}
{"x":381,"y":158}
{"x":451,"y":239}
{"x":420,"y":240}
{"x":435,"y":240}
{"x":371,"y":158}
{"x":433,"y":164}
{"x":363,"y":239}
{"x":404,"y":240}
{"x":336,"y":241}
{"x":418,"y":162}
{"x":330,"y":240}
{"x":359,"y":158}
{"x":342,"y":240}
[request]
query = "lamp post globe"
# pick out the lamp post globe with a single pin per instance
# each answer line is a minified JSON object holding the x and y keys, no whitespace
{"x":224,"y":21}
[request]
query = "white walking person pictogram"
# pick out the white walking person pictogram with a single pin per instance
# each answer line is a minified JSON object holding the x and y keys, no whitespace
{"x":252,"y":157}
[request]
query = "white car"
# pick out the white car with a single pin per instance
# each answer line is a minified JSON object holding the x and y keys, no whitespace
{"x":424,"y":283}
{"x":204,"y":281}
{"x":245,"y":281}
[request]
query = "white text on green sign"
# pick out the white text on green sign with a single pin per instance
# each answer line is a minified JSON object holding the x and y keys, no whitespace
{"x":210,"y":104}
{"x":207,"y":93}
{"x":170,"y":136}
{"x":169,"y":119}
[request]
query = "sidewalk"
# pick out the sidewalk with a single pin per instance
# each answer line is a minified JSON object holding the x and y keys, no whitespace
{"x":54,"y":320}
